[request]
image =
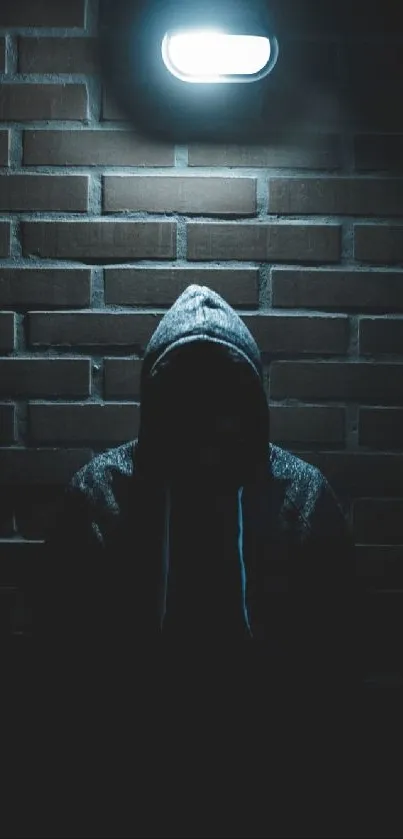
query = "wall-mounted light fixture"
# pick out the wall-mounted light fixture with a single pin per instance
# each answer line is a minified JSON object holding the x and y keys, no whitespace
{"x":189,"y":69}
{"x":211,"y":55}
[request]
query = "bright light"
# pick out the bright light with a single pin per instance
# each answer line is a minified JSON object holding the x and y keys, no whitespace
{"x":206,"y":55}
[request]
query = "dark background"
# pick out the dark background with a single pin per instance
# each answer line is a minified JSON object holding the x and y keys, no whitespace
{"x":299,"y":227}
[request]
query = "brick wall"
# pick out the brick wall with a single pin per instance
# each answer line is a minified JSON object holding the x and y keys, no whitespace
{"x":101,"y":229}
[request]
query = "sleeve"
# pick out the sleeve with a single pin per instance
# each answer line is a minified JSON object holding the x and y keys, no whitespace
{"x":325,"y":594}
{"x":72,"y":552}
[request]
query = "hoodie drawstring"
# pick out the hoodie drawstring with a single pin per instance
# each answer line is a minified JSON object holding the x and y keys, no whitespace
{"x":166,"y":557}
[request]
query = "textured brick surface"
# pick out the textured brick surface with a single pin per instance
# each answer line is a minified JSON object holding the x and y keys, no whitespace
{"x":381,"y":336}
{"x":304,"y":152}
{"x":41,"y":466}
{"x":42,"y":101}
{"x":57,"y":55}
{"x":383,"y":152}
{"x":42,"y":13}
{"x":111,"y":111}
{"x":4,"y":239}
{"x":307,"y":425}
{"x":122,"y":378}
{"x":363,"y":64}
{"x":297,"y":334}
{"x":98,"y":241}
{"x":65,"y":193}
{"x":83,"y":423}
{"x":49,"y":287}
{"x":94,"y":148}
{"x":338,"y":289}
{"x":159,"y":194}
{"x":347,"y":196}
{"x":7,"y":331}
{"x":282,"y":242}
{"x":162,"y":286}
{"x":381,"y":428}
{"x":356,"y":381}
{"x":7,"y":523}
{"x":91,"y":328}
{"x":44,"y":377}
{"x":359,"y":474}
{"x":378,"y":520}
{"x":4,"y":135}
{"x":2,"y":55}
{"x":378,"y":244}
{"x":7,"y":424}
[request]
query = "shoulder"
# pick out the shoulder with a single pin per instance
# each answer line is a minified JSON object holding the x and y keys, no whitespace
{"x":309,"y":502}
{"x":102,"y":479}
{"x":298,"y":476}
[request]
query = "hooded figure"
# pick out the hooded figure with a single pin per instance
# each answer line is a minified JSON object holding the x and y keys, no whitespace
{"x":181,"y":533}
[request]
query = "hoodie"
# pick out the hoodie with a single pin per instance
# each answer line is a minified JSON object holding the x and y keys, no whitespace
{"x":261,"y":551}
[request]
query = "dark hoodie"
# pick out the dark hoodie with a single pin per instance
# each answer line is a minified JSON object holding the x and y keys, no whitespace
{"x":146,"y":547}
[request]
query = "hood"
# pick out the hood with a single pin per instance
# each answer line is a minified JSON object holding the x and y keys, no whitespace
{"x":200,"y":321}
{"x":200,"y":314}
{"x":200,"y":325}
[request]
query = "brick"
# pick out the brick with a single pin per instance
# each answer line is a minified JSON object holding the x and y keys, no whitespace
{"x":50,"y":287}
{"x":7,"y":424}
{"x":308,"y":60}
{"x":381,"y":428}
{"x":314,"y":151}
{"x":7,"y":524}
{"x":378,"y":244}
{"x":341,"y":381}
{"x":41,"y":466}
{"x":298,"y":334}
{"x":381,"y":564}
{"x":65,"y":193}
{"x":7,"y":331}
{"x":111,"y":110}
{"x":89,"y":423}
{"x":379,"y":561}
{"x":122,"y":378}
{"x":17,"y":559}
{"x":174,"y":194}
{"x":337,"y":289}
{"x":354,"y":474}
{"x":293,"y":18}
{"x":99,"y":241}
{"x":91,"y":328}
{"x":42,"y":101}
{"x":4,"y":156}
{"x":162,"y":286}
{"x":94,"y":148}
{"x":57,"y":55}
{"x":378,"y":520}
{"x":35,"y":507}
{"x":45,"y":377}
{"x":383,"y":152}
{"x":2,"y":55}
{"x":381,"y":336}
{"x":42,"y":13}
{"x":288,"y":242}
{"x":365,"y":65}
{"x":372,"y":108}
{"x":4,"y":239}
{"x":307,"y":425}
{"x":347,"y":196}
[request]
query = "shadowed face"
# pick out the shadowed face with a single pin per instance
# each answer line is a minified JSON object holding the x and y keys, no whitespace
{"x":207,"y":422}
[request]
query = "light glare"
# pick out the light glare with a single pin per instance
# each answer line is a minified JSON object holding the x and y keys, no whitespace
{"x":210,"y":55}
